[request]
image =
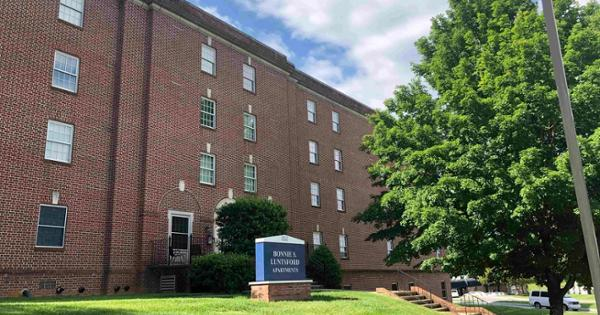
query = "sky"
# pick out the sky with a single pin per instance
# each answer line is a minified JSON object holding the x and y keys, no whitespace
{"x":364,"y":48}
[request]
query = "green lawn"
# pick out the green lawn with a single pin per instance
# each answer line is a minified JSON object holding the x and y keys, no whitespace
{"x":324,"y":302}
{"x":504,"y":310}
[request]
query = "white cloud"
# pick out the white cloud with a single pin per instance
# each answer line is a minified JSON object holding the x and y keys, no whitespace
{"x":377,"y":36}
{"x":214,"y":11}
{"x":276,"y":42}
{"x":323,"y":69}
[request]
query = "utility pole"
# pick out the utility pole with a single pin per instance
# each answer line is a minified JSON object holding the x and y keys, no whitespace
{"x":583,"y":201}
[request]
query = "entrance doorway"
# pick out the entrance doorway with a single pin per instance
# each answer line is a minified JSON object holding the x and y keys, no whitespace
{"x":180,"y":232}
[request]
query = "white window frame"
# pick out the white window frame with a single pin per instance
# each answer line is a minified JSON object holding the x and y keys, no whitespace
{"x":213,"y":114}
{"x":343,"y":242}
{"x":317,"y":235}
{"x":313,"y":155}
{"x":61,"y":4}
{"x":335,"y":122}
{"x":251,"y":128}
{"x":251,"y":178}
{"x":338,"y":160}
{"x":76,"y":74}
{"x":252,"y":79}
{"x":340,"y":203}
{"x":389,"y":246}
{"x":204,"y":58}
{"x":213,"y":170}
{"x":64,"y":227}
{"x":315,"y":198}
{"x":70,"y":143}
{"x":311,"y":111}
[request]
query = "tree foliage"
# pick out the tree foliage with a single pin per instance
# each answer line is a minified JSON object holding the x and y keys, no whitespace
{"x":240,"y":223}
{"x":324,"y":269}
{"x":479,"y":167}
{"x":223,"y":273}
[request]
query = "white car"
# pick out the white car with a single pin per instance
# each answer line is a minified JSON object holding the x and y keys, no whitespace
{"x":540,"y":299}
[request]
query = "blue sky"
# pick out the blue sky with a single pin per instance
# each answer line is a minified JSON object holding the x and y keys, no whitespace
{"x":362,"y":47}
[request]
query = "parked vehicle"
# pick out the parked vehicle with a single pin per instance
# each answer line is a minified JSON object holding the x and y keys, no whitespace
{"x":540,"y":299}
{"x":455,"y":293}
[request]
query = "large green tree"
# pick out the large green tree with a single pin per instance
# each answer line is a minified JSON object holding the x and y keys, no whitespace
{"x":247,"y":219}
{"x":472,"y":156}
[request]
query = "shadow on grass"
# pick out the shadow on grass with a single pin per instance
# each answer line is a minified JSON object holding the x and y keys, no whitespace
{"x":19,"y":309}
{"x":149,"y":296}
{"x":327,"y":298}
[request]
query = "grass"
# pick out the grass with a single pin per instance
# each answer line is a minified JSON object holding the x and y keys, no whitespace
{"x":505,"y":310}
{"x":322,"y":303}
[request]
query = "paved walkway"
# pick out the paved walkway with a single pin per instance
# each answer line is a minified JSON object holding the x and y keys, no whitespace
{"x":512,"y":301}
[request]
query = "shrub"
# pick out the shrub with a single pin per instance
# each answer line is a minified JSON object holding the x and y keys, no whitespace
{"x":247,"y":219}
{"x":324,"y":269}
{"x":223,"y":273}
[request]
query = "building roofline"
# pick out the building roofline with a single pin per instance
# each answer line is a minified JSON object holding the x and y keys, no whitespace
{"x":238,"y":38}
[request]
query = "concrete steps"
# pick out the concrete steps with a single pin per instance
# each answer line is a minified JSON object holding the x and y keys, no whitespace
{"x":424,"y":299}
{"x":420,"y":300}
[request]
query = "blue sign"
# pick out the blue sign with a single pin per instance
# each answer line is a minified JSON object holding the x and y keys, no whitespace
{"x":280,"y":258}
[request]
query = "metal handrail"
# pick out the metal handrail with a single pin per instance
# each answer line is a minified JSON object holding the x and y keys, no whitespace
{"x":422,"y":287}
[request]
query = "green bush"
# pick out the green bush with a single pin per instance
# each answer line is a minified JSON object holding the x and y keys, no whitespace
{"x":324,"y":269}
{"x":223,"y":273}
{"x":247,"y":219}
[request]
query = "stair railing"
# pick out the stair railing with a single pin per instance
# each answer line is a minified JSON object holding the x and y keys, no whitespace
{"x":423,"y":290}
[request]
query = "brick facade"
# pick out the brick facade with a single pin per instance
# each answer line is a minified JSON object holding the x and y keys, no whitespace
{"x":137,"y":134}
{"x":280,"y":292}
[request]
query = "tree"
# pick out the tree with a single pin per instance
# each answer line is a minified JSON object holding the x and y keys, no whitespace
{"x":324,"y":269}
{"x":240,"y":223}
{"x":480,"y":167}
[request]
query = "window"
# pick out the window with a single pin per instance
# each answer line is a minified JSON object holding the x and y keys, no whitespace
{"x":313,"y":149}
{"x":315,"y":197}
{"x":341,"y":199}
{"x":65,"y":72}
{"x":249,"y":78}
{"x":208,"y":113}
{"x":317,"y":239}
{"x":59,"y":142}
{"x":337,"y":160}
{"x":51,"y":226}
{"x":249,"y":178}
{"x":207,"y":169}
{"x":344,"y":246}
{"x":390,"y":246}
{"x":71,"y":11}
{"x":209,"y":59}
{"x":311,"y":109}
{"x":249,"y":127}
{"x":335,"y":121}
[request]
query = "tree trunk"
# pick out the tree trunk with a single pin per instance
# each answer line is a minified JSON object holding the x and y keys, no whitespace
{"x":556,"y":293}
{"x":556,"y":300}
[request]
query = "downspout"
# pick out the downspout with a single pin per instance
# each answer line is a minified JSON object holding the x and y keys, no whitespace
{"x":114,"y":137}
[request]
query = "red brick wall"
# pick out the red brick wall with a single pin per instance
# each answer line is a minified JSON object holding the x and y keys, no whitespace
{"x":137,"y":133}
{"x":30,"y":35}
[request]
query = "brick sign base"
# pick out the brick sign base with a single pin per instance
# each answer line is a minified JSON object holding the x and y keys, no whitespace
{"x":270,"y":291}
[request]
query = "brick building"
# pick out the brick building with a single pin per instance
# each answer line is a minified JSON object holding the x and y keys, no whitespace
{"x":109,"y":107}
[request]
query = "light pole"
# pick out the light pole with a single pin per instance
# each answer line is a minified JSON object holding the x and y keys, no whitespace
{"x":583,"y":201}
